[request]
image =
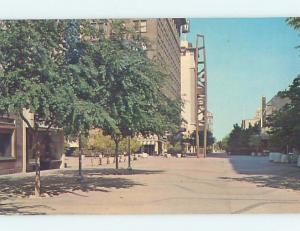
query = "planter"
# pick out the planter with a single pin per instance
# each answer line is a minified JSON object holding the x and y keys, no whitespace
{"x":178,"y":155}
{"x":284,"y":158}
{"x":277,"y":157}
{"x":271,"y":156}
{"x":145,"y":155}
{"x":298,"y":163}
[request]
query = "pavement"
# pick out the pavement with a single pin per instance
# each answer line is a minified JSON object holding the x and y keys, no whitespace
{"x":157,"y":185}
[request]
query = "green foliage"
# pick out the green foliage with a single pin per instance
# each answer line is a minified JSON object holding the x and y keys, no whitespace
{"x":241,"y":140}
{"x":294,"y":22}
{"x":285,"y":123}
{"x":130,"y":85}
{"x":105,"y":144}
{"x":210,"y":138}
{"x":32,"y":58}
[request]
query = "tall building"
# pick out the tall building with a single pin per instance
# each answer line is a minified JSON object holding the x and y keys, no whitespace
{"x":188,"y":86}
{"x":163,"y":35}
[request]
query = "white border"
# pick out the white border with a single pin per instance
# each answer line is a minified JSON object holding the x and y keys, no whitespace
{"x":37,"y":9}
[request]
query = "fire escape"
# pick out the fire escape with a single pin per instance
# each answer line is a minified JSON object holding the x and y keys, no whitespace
{"x":201,"y":95}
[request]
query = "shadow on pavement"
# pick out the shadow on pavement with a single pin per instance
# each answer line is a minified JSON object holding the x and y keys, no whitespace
{"x":68,"y":182}
{"x":13,"y":209}
{"x":259,"y":171}
{"x":217,"y":155}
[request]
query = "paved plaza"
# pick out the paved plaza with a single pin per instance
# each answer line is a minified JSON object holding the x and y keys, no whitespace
{"x":217,"y":184}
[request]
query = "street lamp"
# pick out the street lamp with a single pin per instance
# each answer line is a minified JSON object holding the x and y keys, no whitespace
{"x":129,"y":150}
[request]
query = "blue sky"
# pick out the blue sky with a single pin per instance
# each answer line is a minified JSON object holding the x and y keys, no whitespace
{"x":246,"y":59}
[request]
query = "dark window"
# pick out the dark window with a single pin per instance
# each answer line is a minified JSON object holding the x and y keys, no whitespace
{"x":6,"y":144}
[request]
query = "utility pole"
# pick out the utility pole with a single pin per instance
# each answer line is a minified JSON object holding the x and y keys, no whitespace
{"x":201,"y":93}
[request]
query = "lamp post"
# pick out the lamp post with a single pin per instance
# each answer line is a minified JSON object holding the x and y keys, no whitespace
{"x":129,"y":150}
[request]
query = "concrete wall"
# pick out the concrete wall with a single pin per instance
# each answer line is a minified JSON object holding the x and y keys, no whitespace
{"x":188,"y":89}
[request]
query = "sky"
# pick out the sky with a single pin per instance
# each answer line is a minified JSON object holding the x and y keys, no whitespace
{"x":246,"y":59}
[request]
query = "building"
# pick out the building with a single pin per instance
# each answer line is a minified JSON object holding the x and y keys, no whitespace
{"x":16,"y":144}
{"x":210,"y":121}
{"x":266,"y":109}
{"x":188,"y":87}
{"x":163,"y":35}
{"x":162,"y":45}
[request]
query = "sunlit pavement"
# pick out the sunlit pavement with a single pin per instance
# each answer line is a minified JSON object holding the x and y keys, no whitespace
{"x":216,"y":184}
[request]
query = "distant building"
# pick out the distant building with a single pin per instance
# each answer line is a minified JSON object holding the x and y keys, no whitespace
{"x":210,"y":121}
{"x":266,"y":109}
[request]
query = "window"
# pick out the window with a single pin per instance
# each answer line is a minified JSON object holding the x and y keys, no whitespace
{"x":6,"y":143}
{"x":136,"y":26}
{"x":140,"y":26}
{"x":143,"y":26}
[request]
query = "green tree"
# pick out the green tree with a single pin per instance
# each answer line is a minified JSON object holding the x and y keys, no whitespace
{"x":285,"y":123}
{"x":133,"y":85}
{"x":239,"y":139}
{"x":32,"y":54}
{"x":88,"y":82}
{"x":210,"y":138}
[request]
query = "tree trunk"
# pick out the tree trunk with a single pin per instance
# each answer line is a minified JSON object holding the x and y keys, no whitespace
{"x":80,"y":156}
{"x":36,"y":142}
{"x":117,"y":153}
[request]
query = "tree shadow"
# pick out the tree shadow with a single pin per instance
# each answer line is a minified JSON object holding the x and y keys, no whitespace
{"x":121,"y":171}
{"x":14,"y":209}
{"x":67,"y":181}
{"x":280,"y":182}
{"x":221,"y":155}
{"x":261,"y":172}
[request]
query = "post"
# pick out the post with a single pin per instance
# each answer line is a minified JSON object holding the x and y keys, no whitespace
{"x":80,"y":156}
{"x":37,"y":190}
{"x":205,"y":100}
{"x":196,"y":101}
{"x":129,"y":153}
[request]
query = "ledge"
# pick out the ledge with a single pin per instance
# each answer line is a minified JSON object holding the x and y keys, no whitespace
{"x":7,"y":159}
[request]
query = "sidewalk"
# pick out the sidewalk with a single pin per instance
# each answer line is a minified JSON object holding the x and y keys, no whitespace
{"x":216,"y":184}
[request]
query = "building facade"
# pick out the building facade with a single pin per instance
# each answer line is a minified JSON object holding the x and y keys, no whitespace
{"x":163,"y":36}
{"x":266,"y":109}
{"x":188,"y":87}
{"x":16,"y":145}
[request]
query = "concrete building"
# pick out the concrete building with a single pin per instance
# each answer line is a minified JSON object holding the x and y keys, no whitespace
{"x":16,"y":144}
{"x":163,"y":35}
{"x":188,"y":87}
{"x":210,"y":121}
{"x":162,"y":46}
{"x":266,"y":109}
